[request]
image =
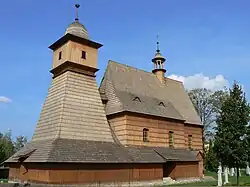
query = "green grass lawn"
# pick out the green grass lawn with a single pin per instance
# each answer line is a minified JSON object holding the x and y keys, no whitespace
{"x":244,"y":181}
{"x":4,"y":180}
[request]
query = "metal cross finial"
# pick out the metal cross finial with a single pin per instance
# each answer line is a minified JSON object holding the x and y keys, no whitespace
{"x":77,"y":7}
{"x":157,"y":43}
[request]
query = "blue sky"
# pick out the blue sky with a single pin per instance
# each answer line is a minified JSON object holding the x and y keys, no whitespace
{"x":201,"y":39}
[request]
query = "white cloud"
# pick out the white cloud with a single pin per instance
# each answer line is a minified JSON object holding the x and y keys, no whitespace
{"x":5,"y":100}
{"x":201,"y":81}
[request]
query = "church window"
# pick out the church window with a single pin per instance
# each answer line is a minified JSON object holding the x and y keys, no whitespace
{"x":190,"y":141}
{"x":145,"y":135}
{"x":137,"y":99}
{"x":60,"y":55}
{"x":171,"y":138}
{"x":83,"y":54}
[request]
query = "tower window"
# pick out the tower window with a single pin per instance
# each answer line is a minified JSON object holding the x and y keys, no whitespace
{"x":60,"y":55}
{"x":145,"y":135}
{"x":83,"y":54}
{"x":190,"y":141}
{"x":171,"y":138}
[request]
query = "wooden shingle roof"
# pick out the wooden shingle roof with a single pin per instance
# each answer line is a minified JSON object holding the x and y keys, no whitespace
{"x":121,"y":83}
{"x":84,"y":151}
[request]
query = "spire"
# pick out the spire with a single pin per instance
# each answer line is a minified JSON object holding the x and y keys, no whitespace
{"x":77,"y":7}
{"x":76,"y":28}
{"x":157,"y":44}
{"x":158,"y":59}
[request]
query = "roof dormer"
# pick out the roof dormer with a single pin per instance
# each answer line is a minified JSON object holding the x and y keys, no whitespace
{"x":137,"y":99}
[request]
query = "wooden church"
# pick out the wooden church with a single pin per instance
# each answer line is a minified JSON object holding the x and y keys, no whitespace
{"x":137,"y":127}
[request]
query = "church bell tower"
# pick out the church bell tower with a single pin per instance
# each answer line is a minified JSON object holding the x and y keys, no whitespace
{"x":73,"y":108}
{"x":75,"y":48}
{"x":158,"y":62}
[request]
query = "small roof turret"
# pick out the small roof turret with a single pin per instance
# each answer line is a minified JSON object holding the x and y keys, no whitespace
{"x":158,"y":55}
{"x":158,"y":62}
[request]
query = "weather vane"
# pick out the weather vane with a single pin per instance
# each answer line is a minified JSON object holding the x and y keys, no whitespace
{"x":77,"y":7}
{"x":157,"y":43}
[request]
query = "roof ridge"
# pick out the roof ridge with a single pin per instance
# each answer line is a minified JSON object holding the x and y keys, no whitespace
{"x":52,"y":148}
{"x":130,"y":66}
{"x":138,"y":69}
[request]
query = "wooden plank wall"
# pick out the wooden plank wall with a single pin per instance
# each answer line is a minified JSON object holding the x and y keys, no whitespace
{"x":196,"y":132}
{"x":28,"y":172}
{"x":14,"y":171}
{"x":158,"y":131}
{"x":183,"y":169}
{"x":87,"y":173}
{"x":129,"y":127}
{"x":118,"y":124}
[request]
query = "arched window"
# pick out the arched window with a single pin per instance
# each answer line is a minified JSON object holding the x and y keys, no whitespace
{"x":171,"y":138}
{"x":145,"y":135}
{"x":190,"y":141}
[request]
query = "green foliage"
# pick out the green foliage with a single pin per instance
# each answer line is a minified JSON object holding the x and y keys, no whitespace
{"x":6,"y":145}
{"x":4,"y":180}
{"x":211,"y":163}
{"x":9,"y":147}
{"x":230,"y":142}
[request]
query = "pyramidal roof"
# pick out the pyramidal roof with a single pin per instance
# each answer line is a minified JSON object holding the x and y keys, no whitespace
{"x":73,"y":110}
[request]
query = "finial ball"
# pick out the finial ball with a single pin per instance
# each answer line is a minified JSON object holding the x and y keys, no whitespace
{"x":77,"y":5}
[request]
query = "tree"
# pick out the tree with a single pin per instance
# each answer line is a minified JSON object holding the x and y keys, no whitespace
{"x":207,"y":105}
{"x":9,"y":147}
{"x":211,"y":163}
{"x":6,"y":146}
{"x":2,"y":152}
{"x":20,"y":142}
{"x":230,"y":142}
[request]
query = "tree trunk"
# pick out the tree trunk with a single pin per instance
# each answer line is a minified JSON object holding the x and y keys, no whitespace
{"x":237,"y":179}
